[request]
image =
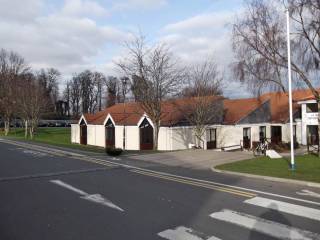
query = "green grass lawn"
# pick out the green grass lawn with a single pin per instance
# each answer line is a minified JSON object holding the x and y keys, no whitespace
{"x":61,"y":136}
{"x":58,"y":136}
{"x":307,"y":167}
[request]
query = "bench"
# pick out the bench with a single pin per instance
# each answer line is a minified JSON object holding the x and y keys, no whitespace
{"x":231,"y":148}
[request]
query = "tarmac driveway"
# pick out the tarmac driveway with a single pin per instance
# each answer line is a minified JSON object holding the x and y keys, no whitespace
{"x":197,"y":159}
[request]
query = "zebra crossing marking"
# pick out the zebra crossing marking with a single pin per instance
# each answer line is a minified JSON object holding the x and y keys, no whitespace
{"x":285,"y":207}
{"x":264,"y":226}
{"x":184,"y":233}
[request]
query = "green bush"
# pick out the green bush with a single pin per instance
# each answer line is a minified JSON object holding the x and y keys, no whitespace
{"x":113,"y":151}
{"x":283,"y":146}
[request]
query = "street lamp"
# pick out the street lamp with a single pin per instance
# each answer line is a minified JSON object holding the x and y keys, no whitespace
{"x":124,"y":81}
{"x":292,"y":165}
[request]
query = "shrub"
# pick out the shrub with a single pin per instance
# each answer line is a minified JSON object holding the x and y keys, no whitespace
{"x":112,"y":151}
{"x":283,"y":146}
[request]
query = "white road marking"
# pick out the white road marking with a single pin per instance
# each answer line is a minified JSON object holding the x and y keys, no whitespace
{"x":96,"y":198}
{"x":183,"y":233}
{"x":297,"y":210}
{"x":35,"y":153}
{"x":306,"y":192}
{"x":264,"y":226}
{"x":195,"y":179}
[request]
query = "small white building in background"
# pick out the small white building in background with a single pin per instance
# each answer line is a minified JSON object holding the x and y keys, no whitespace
{"x":244,"y":123}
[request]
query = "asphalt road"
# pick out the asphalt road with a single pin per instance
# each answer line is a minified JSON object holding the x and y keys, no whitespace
{"x":45,"y":195}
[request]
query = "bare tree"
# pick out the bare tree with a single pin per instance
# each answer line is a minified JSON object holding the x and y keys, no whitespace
{"x":32,"y":102}
{"x":75,"y":96}
{"x":48,"y":79}
{"x":156,"y":74}
{"x":12,"y":65}
{"x":99,"y":80}
{"x":112,"y":90}
{"x":67,"y":97}
{"x":117,"y":89}
{"x":259,"y":41}
{"x":204,"y":105}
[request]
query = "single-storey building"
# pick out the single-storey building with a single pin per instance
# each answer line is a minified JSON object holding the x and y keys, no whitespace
{"x":244,"y":122}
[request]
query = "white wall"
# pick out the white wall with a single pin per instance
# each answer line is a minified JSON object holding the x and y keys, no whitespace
{"x":229,"y":135}
{"x":96,"y":135}
{"x":133,"y":138}
{"x":75,"y":133}
{"x":91,"y":134}
{"x":100,"y":136}
{"x":119,"y":136}
{"x":164,"y":143}
{"x":181,"y":137}
{"x":299,"y":131}
{"x":177,"y":138}
{"x":307,"y":119}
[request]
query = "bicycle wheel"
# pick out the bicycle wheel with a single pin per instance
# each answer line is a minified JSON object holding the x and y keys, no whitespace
{"x":257,"y":152}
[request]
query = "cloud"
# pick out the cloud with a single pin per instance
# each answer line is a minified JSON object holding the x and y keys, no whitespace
{"x":63,"y":39}
{"x":201,"y":36}
{"x":19,"y":11}
{"x":208,"y":21}
{"x":83,"y":8}
{"x":205,"y":36}
{"x":139,"y":4}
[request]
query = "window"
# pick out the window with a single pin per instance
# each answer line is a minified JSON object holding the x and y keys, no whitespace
{"x":246,"y":138}
{"x":262,"y":133}
{"x":312,"y":107}
{"x":211,"y":135}
{"x":246,"y":133}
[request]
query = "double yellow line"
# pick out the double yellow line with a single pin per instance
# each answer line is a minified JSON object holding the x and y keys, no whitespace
{"x":179,"y":179}
{"x":94,"y":160}
{"x":195,"y":183}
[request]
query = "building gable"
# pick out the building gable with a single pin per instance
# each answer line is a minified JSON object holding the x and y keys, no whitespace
{"x":262,"y":114}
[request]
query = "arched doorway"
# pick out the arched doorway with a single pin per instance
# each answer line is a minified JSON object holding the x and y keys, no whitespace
{"x":146,"y":135}
{"x":110,"y":134}
{"x":83,"y":132}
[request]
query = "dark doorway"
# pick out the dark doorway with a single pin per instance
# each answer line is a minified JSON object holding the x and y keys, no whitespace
{"x":276,"y":134}
{"x":246,"y":138}
{"x":110,"y":134}
{"x":313,"y":137}
{"x":211,"y":138}
{"x":146,"y":135}
{"x":262,"y":133}
{"x":83,"y":132}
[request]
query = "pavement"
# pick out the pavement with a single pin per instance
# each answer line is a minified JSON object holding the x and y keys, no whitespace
{"x":195,"y":159}
{"x":55,"y":195}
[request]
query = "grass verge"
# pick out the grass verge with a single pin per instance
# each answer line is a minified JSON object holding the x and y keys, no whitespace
{"x":57,"y":136}
{"x":307,"y":167}
{"x":61,"y":137}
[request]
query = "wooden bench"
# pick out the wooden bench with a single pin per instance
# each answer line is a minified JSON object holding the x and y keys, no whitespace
{"x":232,"y":148}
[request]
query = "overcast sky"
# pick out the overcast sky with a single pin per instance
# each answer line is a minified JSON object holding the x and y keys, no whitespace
{"x":74,"y":35}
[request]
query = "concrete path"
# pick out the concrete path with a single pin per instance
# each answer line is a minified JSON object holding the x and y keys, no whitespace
{"x":196,"y":159}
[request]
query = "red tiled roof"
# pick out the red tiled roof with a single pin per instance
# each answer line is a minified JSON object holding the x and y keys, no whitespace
{"x":279,"y":103}
{"x":237,"y":109}
{"x":234,"y":109}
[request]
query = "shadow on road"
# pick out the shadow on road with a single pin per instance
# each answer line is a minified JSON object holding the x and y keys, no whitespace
{"x":271,"y":213}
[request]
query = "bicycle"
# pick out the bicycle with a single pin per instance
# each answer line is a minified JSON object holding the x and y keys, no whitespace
{"x":261,"y":148}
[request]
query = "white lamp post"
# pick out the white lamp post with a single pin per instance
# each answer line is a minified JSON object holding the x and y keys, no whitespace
{"x":290,"y":90}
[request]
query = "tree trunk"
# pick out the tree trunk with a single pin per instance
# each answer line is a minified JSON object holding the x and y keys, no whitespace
{"x":318,"y":101}
{"x":25,"y":128}
{"x":33,"y":127}
{"x":31,"y":131}
{"x":6,"y":127}
{"x":155,"y":136}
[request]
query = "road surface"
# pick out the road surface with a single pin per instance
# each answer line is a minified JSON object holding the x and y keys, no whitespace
{"x":50,"y":195}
